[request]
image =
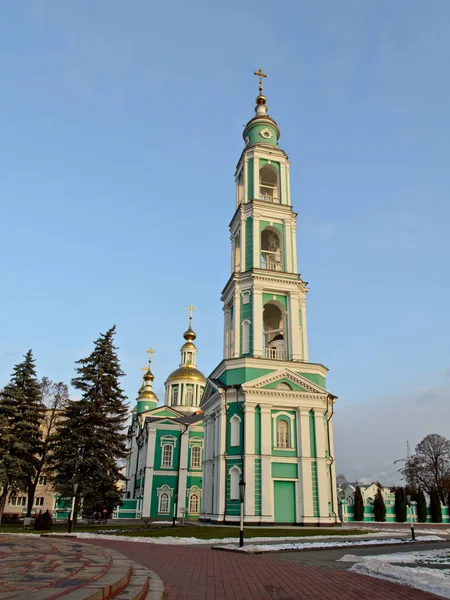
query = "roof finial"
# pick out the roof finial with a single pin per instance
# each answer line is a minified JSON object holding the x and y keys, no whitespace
{"x":150,"y":353}
{"x":260,"y":74}
{"x":191,"y":308}
{"x":189,"y":334}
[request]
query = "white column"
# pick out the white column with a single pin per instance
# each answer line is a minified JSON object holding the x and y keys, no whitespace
{"x":256,"y":177}
{"x":256,"y":241}
{"x":322,"y":475}
{"x":237,"y":323}
{"x":221,"y":464}
{"x":243,"y":234}
{"x":183,"y":473}
{"x":294,"y":248}
{"x":249,"y":460}
{"x":226,"y":331}
{"x":207,"y":470}
{"x":305,"y":475}
{"x":288,"y":183}
{"x":233,"y":252}
{"x":295,"y":350}
{"x":266,"y":465}
{"x":287,"y":250}
{"x":148,"y":470}
{"x":333,"y":468}
{"x":283,"y":183}
{"x":245,"y":179}
{"x":257,"y":306}
{"x":304,"y":331}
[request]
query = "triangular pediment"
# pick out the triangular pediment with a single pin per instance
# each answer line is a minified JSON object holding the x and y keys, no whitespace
{"x":275,"y":379}
{"x":165,"y":422}
{"x":210,"y":390}
{"x":164,"y":411}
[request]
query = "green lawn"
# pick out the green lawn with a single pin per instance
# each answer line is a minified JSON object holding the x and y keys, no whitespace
{"x":205,"y":533}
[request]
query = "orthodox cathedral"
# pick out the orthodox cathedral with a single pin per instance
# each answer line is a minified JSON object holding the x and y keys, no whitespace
{"x":259,"y":428}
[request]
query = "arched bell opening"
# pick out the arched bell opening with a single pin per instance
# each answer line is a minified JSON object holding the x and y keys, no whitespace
{"x":271,"y":256}
{"x":268,"y":184}
{"x":274,"y":332}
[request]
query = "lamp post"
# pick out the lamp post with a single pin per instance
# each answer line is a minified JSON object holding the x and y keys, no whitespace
{"x":72,"y":510}
{"x":175,"y":508}
{"x":241,"y":526}
{"x":411,"y":514}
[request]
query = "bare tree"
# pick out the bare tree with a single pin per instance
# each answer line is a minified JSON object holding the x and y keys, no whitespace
{"x":55,"y":397}
{"x":429,"y":467}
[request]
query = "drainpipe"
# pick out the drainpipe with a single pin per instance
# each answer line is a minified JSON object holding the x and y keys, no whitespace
{"x":225,"y":452}
{"x":175,"y":508}
{"x":331,"y":458}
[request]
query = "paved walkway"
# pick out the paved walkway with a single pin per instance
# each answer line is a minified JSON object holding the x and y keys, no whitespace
{"x":192,"y":573}
{"x":31,"y":564}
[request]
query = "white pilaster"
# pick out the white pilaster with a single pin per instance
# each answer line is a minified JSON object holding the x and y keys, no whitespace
{"x":257,"y":306}
{"x":305,"y":475}
{"x":149,"y":469}
{"x":243,"y":237}
{"x":249,"y":461}
{"x":256,"y":177}
{"x":287,"y":251}
{"x":256,"y":241}
{"x":295,"y":349}
{"x":304,"y":332}
{"x":266,"y":465}
{"x":283,"y":183}
{"x":237,"y":323}
{"x":221,"y":464}
{"x":322,"y":475}
{"x":183,"y":473}
{"x":226,"y":332}
{"x":245,"y":179}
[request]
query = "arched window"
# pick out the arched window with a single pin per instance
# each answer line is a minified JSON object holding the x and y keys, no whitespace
{"x":245,"y":337}
{"x":196,"y":454}
{"x":282,"y":434}
{"x":167,"y":455}
{"x":163,"y":506}
{"x":268,"y":184}
{"x":235,"y":474}
{"x":235,"y":423}
{"x":189,"y":397}
{"x":237,"y":253}
{"x":271,"y":250}
{"x":274,"y":341}
{"x":193,"y":503}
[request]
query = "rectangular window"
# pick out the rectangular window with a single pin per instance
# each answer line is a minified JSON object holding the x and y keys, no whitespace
{"x":42,"y":480}
{"x":39,"y":501}
{"x":167,"y":455}
{"x":196,"y":453}
{"x":174,"y":395}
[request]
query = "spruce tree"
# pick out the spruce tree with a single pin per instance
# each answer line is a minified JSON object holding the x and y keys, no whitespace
{"x":90,"y":439}
{"x":435,"y":506}
{"x":21,"y":411}
{"x":421,"y":507}
{"x":359,"y":505}
{"x":379,"y":507}
{"x":400,"y":505}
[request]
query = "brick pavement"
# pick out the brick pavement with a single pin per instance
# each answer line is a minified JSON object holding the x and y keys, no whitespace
{"x":192,"y":573}
{"x":31,"y":564}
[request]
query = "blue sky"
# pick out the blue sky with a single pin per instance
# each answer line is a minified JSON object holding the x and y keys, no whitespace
{"x":120,"y":129}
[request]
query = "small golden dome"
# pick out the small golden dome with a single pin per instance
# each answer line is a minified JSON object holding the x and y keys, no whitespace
{"x":147,"y":396}
{"x":149,"y":375}
{"x":187,"y":372}
{"x":260,"y":99}
{"x":190,"y":333}
{"x":188,"y":346}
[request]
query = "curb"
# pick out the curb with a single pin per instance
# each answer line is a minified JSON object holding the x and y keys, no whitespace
{"x":380,"y":543}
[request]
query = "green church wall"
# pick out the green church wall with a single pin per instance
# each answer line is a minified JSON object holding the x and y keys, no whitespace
{"x":284,"y":470}
{"x":242,"y":375}
{"x":314,"y":378}
{"x":253,"y":134}
{"x":233,"y":409}
{"x":250,"y":186}
{"x":160,"y":433}
{"x":232,"y":507}
{"x":257,"y":430}
{"x":248,"y":243}
{"x":246,"y":315}
{"x":159,"y":481}
{"x":278,"y":297}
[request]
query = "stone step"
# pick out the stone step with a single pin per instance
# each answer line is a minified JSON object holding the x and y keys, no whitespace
{"x":143,"y":585}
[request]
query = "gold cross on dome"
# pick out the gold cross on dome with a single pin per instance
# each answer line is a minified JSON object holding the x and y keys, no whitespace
{"x":260,"y":74}
{"x":145,"y":368}
{"x":150,"y":353}
{"x":191,"y":308}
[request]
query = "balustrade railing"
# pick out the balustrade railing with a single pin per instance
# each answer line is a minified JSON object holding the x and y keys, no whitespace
{"x":275,"y":353}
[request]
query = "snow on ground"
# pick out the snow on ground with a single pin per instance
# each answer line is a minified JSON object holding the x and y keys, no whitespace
{"x":252,"y":547}
{"x":441,"y":557}
{"x":427,"y":580}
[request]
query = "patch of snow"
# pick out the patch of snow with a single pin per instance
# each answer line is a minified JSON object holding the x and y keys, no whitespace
{"x":251,"y":548}
{"x":427,"y":580}
{"x":425,"y":557}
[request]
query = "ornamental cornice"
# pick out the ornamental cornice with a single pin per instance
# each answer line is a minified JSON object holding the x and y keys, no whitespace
{"x":286,"y":394}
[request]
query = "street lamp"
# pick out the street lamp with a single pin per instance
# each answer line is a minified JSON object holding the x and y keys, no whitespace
{"x":72,"y":510}
{"x":175,"y":508}
{"x":241,"y":527}
{"x":411,"y":514}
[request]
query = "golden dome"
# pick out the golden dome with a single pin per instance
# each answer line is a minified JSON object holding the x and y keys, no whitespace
{"x":187,"y":372}
{"x":147,"y":396}
{"x":188,"y":346}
